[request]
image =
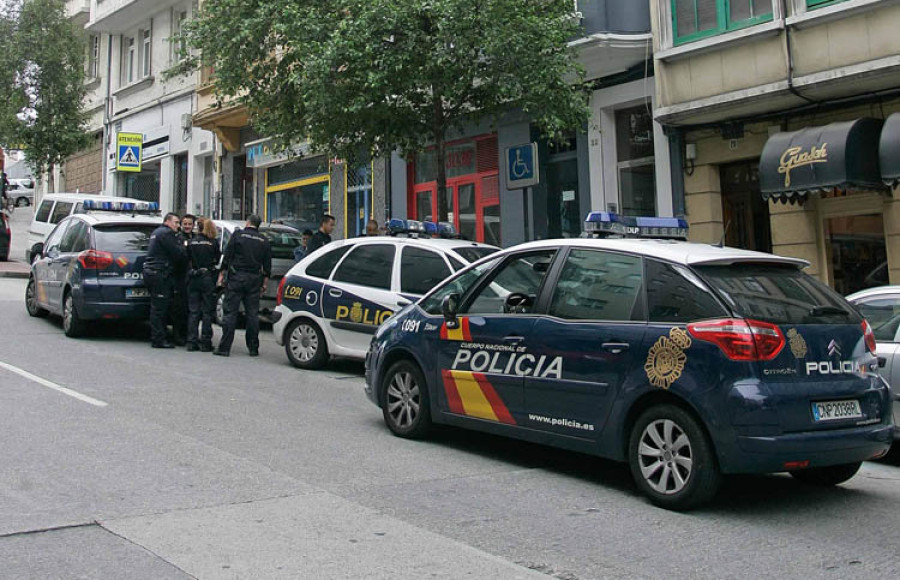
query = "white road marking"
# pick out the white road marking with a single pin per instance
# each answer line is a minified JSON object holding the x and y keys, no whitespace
{"x":52,"y":385}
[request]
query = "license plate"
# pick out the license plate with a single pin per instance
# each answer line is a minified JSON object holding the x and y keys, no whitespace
{"x":836,"y":410}
{"x":137,"y":293}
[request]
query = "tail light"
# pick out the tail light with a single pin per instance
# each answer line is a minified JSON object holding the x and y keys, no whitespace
{"x":869,"y":336}
{"x":95,"y":260}
{"x":741,"y":340}
{"x":280,"y":293}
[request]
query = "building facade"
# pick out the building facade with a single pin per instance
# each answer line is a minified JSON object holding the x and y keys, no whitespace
{"x":777,"y":109}
{"x":129,"y":52}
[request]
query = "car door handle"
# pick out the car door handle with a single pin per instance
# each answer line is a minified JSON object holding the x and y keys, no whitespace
{"x":513,"y":339}
{"x":335,"y":292}
{"x":615,"y":347}
{"x":882,"y":362}
{"x":403,"y":303}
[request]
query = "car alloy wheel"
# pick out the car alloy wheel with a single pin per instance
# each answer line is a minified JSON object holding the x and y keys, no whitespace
{"x":31,"y":304}
{"x":666,"y":458}
{"x":405,"y":400}
{"x":305,"y":345}
{"x":72,"y":324}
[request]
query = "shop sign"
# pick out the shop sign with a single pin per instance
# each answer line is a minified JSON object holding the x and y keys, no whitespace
{"x":129,"y":151}
{"x":156,"y":150}
{"x":263,"y":153}
{"x":460,"y":160}
{"x":794,"y":157}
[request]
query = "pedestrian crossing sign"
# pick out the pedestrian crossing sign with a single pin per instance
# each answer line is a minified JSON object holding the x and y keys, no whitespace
{"x":128,"y":151}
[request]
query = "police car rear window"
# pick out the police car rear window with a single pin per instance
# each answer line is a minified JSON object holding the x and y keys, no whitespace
{"x":474,"y":253}
{"x":123,"y":238}
{"x":778,"y":294}
{"x":283,"y":242}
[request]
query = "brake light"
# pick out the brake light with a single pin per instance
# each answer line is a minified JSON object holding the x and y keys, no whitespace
{"x":869,"y":336}
{"x":95,"y":260}
{"x":741,"y":340}
{"x":280,"y":292}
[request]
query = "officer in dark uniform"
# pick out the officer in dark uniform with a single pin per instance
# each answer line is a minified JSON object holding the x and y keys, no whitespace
{"x":164,"y":256}
{"x":178,"y":312}
{"x":248,"y":262}
{"x":203,"y":259}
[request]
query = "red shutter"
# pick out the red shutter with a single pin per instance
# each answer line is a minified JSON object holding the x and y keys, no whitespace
{"x":487,"y":154}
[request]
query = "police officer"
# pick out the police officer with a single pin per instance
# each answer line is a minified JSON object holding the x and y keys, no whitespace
{"x":165,"y":255}
{"x":179,"y":309}
{"x":203,"y":258}
{"x":248,"y":262}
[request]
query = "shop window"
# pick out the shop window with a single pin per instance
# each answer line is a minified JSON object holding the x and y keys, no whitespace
{"x":857,"y":251}
{"x":636,"y":163}
{"x":358,"y":201}
{"x":181,"y":184}
{"x":695,"y":19}
{"x":563,"y":208}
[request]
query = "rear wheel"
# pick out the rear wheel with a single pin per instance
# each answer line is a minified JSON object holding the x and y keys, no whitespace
{"x":73,"y":326}
{"x":405,"y":401}
{"x":305,"y":344}
{"x":671,"y":458}
{"x":31,"y":304}
{"x":827,"y":476}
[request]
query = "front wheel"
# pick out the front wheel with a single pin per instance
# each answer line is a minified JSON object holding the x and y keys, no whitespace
{"x":305,"y":344}
{"x":73,"y":325}
{"x":405,"y":401}
{"x":827,"y":476}
{"x":31,"y":304}
{"x":671,"y":459}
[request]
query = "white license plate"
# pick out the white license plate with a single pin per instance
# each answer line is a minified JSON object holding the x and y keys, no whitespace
{"x":137,"y":293}
{"x":836,"y":410}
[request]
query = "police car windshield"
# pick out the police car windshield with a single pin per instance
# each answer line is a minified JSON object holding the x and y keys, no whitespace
{"x":778,"y":294}
{"x":123,"y":238}
{"x":474,"y":253}
{"x":283,"y":242}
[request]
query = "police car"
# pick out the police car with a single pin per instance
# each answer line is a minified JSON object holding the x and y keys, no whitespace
{"x":333,"y":300}
{"x":90,"y":266}
{"x":688,"y":361}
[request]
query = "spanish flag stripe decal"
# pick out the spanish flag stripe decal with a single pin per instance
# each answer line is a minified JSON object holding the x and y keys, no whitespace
{"x":464,"y":326}
{"x":473,"y":399}
{"x":453,"y":399}
{"x":461,"y":332}
{"x":503,"y":414}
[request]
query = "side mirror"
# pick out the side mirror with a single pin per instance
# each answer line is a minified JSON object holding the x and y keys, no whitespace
{"x":449,"y":308}
{"x":37,"y":252}
{"x":53,"y":252}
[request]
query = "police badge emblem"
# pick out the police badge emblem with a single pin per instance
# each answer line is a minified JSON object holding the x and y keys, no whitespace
{"x":356,"y":313}
{"x":666,"y":359}
{"x":798,"y":344}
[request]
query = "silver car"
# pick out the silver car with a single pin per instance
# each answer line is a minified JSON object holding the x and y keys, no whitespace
{"x":881,"y":307}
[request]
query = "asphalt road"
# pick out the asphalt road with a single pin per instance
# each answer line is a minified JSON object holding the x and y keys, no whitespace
{"x":122,"y":461}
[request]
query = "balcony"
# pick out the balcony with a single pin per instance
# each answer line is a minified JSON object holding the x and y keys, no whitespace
{"x":118,"y":16}
{"x":617,"y":35}
{"x":78,"y":11}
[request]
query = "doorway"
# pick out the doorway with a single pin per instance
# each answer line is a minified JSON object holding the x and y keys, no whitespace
{"x":744,"y":211}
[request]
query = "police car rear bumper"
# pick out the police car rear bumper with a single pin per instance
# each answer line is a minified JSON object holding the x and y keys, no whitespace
{"x":114,"y":310}
{"x":769,"y":454}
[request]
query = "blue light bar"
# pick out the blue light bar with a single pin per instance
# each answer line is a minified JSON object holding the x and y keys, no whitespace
{"x":120,"y":206}
{"x":603,"y":223}
{"x":446,"y":230}
{"x":606,"y":224}
{"x":431,"y":228}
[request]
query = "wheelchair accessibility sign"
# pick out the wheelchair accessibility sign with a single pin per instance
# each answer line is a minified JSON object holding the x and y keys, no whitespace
{"x":521,"y":166}
{"x":128,"y":151}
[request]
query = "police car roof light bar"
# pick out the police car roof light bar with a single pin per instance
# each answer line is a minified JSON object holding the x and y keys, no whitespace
{"x":601,"y":224}
{"x":131,"y":207}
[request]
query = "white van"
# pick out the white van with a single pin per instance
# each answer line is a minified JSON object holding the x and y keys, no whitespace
{"x":53,"y":209}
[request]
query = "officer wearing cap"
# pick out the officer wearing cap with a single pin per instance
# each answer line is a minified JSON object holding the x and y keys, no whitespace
{"x":165,"y":255}
{"x":248,"y":262}
{"x":203,"y":258}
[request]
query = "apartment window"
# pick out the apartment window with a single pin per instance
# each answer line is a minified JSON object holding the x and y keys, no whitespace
{"x":129,"y":60}
{"x":93,"y":68}
{"x":695,"y":19}
{"x":818,"y":3}
{"x":179,"y":17}
{"x":146,"y":48}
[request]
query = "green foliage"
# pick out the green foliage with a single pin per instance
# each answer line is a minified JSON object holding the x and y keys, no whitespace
{"x":387,"y":75}
{"x":42,"y":78}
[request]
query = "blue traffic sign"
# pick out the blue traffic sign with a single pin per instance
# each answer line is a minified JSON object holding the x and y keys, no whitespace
{"x":521,"y":166}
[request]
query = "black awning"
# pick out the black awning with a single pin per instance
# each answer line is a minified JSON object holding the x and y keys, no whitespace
{"x":889,"y":150}
{"x":837,"y":156}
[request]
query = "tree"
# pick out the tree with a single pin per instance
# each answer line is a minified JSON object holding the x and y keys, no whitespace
{"x":43,"y":80}
{"x":388,"y":75}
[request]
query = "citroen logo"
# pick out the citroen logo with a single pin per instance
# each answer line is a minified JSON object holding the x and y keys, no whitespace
{"x":834,"y":349}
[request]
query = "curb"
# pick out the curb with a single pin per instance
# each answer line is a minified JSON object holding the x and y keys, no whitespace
{"x":13,"y":269}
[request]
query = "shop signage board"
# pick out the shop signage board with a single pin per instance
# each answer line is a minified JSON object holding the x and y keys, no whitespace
{"x":129,"y":148}
{"x":521,"y":166}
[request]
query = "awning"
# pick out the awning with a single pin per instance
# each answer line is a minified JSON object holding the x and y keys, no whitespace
{"x":837,"y":156}
{"x":889,"y":151}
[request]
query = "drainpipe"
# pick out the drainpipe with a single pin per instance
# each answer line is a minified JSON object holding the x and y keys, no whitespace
{"x":106,"y":113}
{"x":790,"y":56}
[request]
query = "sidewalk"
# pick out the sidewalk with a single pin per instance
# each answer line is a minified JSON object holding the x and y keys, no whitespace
{"x":14,"y":269}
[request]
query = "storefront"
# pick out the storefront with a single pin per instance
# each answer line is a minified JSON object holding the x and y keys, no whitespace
{"x":298,"y":192}
{"x":473,"y":188}
{"x":828,"y":180}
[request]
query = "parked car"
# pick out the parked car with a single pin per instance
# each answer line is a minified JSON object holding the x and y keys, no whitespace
{"x":21,"y":192}
{"x":283,"y":240}
{"x":5,"y":236}
{"x":881,"y":307}
{"x":54,"y":207}
{"x":333,"y":301}
{"x":90,"y":268}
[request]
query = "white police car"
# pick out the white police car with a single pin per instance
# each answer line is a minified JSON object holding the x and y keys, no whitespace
{"x":688,"y":361}
{"x":332,"y":301}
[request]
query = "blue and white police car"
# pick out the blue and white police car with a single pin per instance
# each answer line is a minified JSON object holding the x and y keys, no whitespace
{"x":333,"y":301}
{"x":90,"y":266}
{"x":687,"y":361}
